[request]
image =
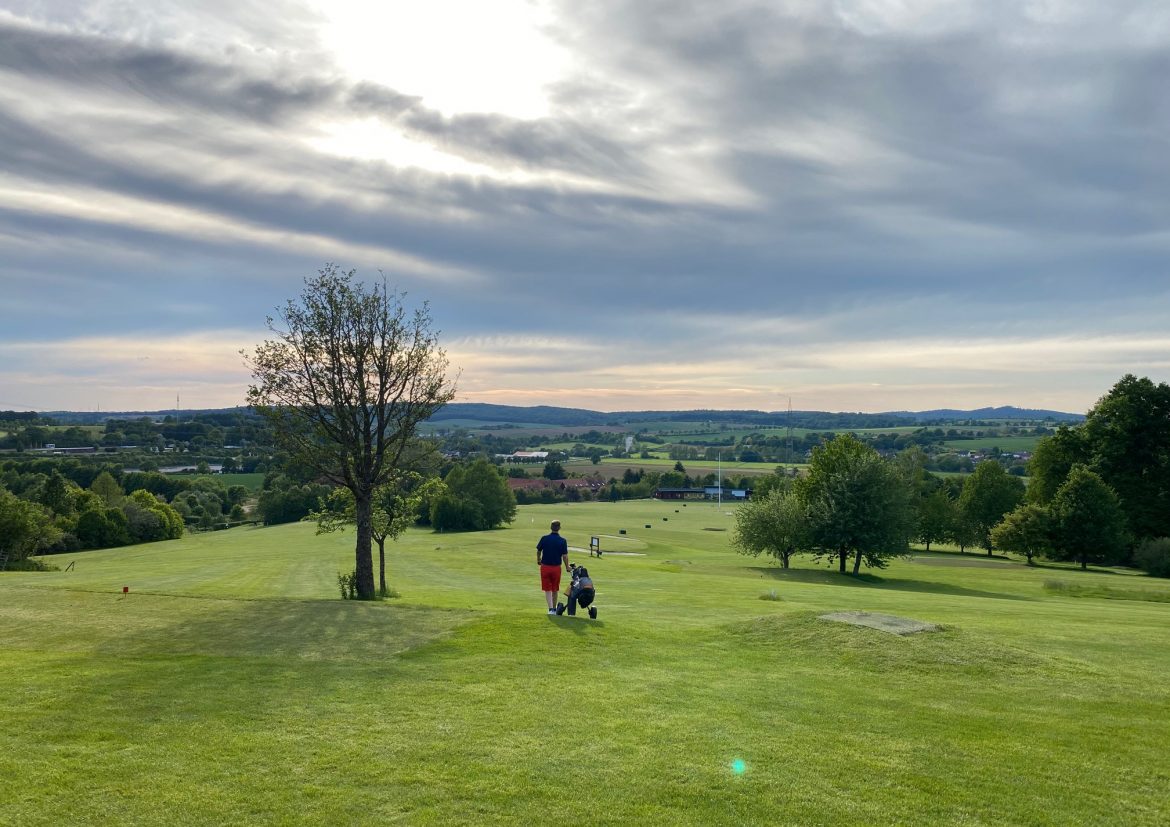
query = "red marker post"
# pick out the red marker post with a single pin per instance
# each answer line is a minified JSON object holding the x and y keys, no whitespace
{"x":125,"y":590}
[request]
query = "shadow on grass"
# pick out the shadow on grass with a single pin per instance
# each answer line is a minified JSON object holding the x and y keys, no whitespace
{"x":577,"y":625}
{"x":1075,"y":568}
{"x":873,"y":581}
{"x":940,"y":557}
{"x":317,"y":630}
{"x":176,"y":671}
{"x":954,"y":558}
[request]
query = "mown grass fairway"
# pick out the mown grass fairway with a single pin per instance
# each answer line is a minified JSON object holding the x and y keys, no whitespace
{"x":231,"y":685}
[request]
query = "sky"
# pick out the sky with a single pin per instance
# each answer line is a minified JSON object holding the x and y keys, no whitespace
{"x":845,"y":205}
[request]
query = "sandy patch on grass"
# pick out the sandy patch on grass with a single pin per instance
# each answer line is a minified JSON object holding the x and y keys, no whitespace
{"x":886,"y":623}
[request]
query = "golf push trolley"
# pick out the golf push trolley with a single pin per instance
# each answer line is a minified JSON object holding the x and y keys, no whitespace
{"x":580,"y":594}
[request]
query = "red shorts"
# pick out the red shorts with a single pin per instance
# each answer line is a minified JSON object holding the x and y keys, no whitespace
{"x":550,"y":578}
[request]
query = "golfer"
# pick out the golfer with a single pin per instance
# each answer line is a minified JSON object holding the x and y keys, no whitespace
{"x":552,"y":552}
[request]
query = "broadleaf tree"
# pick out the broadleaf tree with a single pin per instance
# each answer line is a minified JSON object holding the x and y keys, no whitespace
{"x":988,"y":494}
{"x":1088,"y":523}
{"x":858,"y":504}
{"x":1027,"y":530}
{"x":344,"y":382}
{"x":1052,"y":459}
{"x":25,"y":527}
{"x":1128,"y":435}
{"x":775,"y":524}
{"x":936,"y":518}
{"x":477,"y":499}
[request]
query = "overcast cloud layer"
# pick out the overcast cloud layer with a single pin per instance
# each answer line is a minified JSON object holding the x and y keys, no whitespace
{"x":858,"y":205}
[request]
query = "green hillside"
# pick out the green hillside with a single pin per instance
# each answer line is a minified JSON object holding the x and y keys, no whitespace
{"x":231,"y":685}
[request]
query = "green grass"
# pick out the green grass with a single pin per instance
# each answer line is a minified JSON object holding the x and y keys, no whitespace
{"x":253,"y":482}
{"x":95,"y":431}
{"x":1007,"y":444}
{"x":1106,"y":591}
{"x":231,"y":685}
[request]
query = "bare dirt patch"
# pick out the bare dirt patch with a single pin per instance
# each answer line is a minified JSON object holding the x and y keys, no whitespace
{"x":886,"y":623}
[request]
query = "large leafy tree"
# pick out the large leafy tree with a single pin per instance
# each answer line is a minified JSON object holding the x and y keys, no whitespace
{"x":150,"y":518}
{"x":858,"y":504}
{"x":1027,"y":530}
{"x":1051,"y":461}
{"x":775,"y":524}
{"x":345,"y":380}
{"x":988,"y":494}
{"x":55,"y":495}
{"x":1128,"y":434}
{"x":936,"y":513}
{"x":25,"y":527}
{"x":106,"y":487}
{"x":477,"y":498}
{"x":1088,"y":524}
{"x":1126,"y":440}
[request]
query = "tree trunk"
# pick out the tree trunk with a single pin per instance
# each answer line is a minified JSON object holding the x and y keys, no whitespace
{"x":841,"y":555}
{"x":856,"y":562}
{"x":382,"y":590}
{"x":363,"y":557}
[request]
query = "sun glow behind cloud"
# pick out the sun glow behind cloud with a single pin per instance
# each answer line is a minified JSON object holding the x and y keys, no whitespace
{"x":864,"y":204}
{"x":458,"y":56}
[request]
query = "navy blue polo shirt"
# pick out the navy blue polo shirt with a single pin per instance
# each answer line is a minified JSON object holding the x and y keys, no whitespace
{"x":552,"y":548}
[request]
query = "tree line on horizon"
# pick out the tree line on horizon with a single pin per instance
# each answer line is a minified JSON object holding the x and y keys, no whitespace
{"x":1098,"y":496}
{"x":1094,"y":497}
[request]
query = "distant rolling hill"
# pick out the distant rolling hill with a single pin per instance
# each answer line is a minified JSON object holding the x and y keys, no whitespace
{"x":548,"y":415}
{"x":578,"y":417}
{"x":1003,"y":412}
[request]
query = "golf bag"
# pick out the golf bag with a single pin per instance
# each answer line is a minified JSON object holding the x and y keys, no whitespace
{"x":581,"y":592}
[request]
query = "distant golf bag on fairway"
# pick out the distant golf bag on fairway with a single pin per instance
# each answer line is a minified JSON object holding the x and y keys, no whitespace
{"x":580,"y":593}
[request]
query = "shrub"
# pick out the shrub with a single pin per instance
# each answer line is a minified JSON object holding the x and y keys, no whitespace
{"x":1153,"y":557}
{"x":30,"y":564}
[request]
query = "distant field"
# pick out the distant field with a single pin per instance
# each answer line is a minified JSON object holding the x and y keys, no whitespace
{"x":512,"y":429}
{"x":609,"y":466}
{"x":567,"y":445}
{"x":473,"y":425}
{"x":95,"y":431}
{"x":252,"y":482}
{"x":662,"y":426}
{"x":231,"y":685}
{"x":1008,"y":444}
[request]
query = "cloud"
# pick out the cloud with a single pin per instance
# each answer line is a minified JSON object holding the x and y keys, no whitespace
{"x":722,"y":200}
{"x":116,"y":372}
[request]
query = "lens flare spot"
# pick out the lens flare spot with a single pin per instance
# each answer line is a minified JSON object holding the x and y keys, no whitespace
{"x":738,"y":766}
